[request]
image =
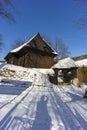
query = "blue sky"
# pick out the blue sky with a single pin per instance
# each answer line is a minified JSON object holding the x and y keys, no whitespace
{"x":54,"y":18}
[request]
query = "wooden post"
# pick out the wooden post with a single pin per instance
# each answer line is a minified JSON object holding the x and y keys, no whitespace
{"x":56,"y":75}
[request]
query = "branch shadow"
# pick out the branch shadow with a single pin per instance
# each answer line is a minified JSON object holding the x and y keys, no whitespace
{"x":58,"y":112}
{"x":42,"y":120}
{"x":13,"y":87}
{"x":74,"y":97}
{"x":81,"y":120}
{"x":61,"y":108}
{"x":7,"y":118}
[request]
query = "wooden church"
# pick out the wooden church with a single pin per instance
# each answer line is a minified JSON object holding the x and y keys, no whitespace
{"x":35,"y":53}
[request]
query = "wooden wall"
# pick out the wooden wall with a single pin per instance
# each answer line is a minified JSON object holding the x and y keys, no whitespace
{"x":32,"y":60}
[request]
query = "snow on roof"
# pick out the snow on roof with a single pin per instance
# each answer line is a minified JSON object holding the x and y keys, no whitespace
{"x":81,"y":63}
{"x":20,"y":47}
{"x":54,"y":52}
{"x":65,"y":63}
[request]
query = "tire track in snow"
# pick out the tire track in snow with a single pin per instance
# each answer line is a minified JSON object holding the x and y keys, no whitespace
{"x":17,"y":119}
{"x":68,"y":118}
{"x":17,"y":101}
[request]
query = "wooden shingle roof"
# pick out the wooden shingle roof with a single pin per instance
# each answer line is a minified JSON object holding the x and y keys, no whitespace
{"x":35,"y":43}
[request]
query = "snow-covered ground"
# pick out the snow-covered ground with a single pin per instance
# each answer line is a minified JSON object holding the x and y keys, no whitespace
{"x":81,"y":63}
{"x":29,"y":102}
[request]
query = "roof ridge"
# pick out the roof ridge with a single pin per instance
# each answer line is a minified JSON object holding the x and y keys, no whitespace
{"x":20,"y":47}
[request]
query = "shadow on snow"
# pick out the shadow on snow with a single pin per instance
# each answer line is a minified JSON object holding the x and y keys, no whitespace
{"x":13,"y":87}
{"x":42,"y":120}
{"x":62,"y":110}
{"x":7,"y":118}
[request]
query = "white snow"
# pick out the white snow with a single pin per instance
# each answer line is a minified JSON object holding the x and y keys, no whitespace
{"x":25,"y":44}
{"x":28,"y":101}
{"x":82,"y":63}
{"x":54,"y":52}
{"x":20,"y":47}
{"x":65,"y":63}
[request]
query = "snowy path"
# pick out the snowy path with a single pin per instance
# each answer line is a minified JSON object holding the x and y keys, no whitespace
{"x":42,"y":108}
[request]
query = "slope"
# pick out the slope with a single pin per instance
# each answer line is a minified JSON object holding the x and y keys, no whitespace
{"x":29,"y":102}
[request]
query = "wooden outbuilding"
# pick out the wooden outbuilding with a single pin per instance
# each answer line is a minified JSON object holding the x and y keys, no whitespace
{"x":65,"y":69}
{"x":35,"y":53}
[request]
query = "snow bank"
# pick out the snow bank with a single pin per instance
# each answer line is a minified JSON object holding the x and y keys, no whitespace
{"x":37,"y":76}
{"x":40,"y":105}
{"x":82,"y":63}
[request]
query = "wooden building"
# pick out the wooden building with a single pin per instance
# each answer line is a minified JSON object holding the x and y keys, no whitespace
{"x":65,"y":69}
{"x":36,"y":53}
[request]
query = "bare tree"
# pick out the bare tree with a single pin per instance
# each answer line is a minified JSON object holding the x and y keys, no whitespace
{"x":4,"y":13}
{"x":61,"y":48}
{"x":82,"y":21}
{"x":47,"y":39}
{"x":1,"y":42}
{"x":4,"y":10}
{"x":17,"y":43}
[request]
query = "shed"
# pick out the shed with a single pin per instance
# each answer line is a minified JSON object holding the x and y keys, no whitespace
{"x":68,"y":69}
{"x":35,"y":53}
